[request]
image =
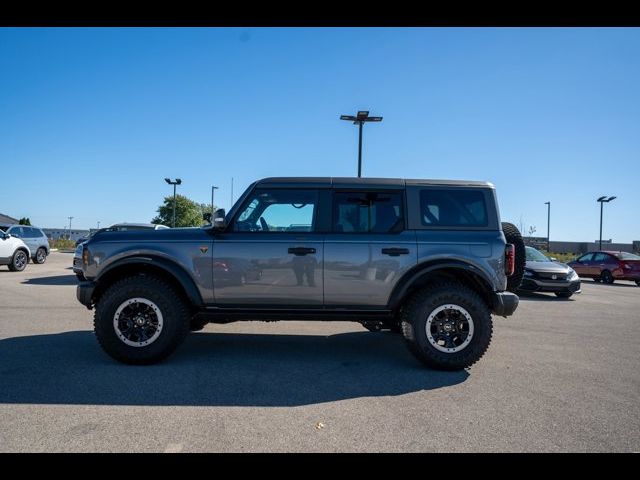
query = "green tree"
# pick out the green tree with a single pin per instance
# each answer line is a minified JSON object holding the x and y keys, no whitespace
{"x":24,"y":221}
{"x":188,"y":212}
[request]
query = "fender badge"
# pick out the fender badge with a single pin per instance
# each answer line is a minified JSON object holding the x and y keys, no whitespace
{"x":204,"y":249}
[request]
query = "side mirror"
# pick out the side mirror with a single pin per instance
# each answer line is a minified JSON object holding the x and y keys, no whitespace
{"x":553,"y":259}
{"x":218,"y":219}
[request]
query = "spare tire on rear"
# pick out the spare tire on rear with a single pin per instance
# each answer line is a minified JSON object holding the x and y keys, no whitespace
{"x":512,"y":234}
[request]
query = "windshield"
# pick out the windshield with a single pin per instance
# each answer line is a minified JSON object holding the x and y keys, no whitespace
{"x":626,"y":256}
{"x":534,"y":255}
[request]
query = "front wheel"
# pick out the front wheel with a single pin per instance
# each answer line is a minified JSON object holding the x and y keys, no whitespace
{"x":638,"y":283}
{"x":447,"y":327}
{"x":140,"y":320}
{"x":19,"y":261}
{"x":564,"y":294}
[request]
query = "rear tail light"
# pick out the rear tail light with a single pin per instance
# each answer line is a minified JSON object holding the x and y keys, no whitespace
{"x":509,"y":259}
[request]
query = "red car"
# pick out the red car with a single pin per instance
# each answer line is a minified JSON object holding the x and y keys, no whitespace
{"x":608,"y":266}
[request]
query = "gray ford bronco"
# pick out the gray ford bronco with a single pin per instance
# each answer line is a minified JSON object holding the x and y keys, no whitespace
{"x":427,"y":258}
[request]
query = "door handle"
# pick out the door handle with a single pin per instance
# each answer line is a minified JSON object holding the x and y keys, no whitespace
{"x":300,"y":251}
{"x":394,"y":252}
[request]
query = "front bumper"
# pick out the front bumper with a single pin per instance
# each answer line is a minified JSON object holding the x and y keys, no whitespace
{"x":561,"y":286}
{"x":504,"y":303}
{"x":84,"y":293}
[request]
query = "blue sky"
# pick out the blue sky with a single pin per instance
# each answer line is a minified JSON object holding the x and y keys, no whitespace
{"x":93,"y":120}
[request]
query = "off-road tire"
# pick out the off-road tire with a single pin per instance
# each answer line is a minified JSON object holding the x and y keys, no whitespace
{"x":174,"y":312}
{"x":512,"y":235}
{"x":414,"y":319}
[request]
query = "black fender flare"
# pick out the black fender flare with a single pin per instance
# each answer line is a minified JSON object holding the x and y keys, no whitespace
{"x":422,"y":270}
{"x":168,"y":266}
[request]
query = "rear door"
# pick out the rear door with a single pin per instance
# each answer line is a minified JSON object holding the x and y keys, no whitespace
{"x":272,"y":252}
{"x":369,"y":248}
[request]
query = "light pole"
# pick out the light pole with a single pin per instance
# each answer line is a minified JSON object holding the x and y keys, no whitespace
{"x":360,"y":118}
{"x":213,"y":188}
{"x":98,"y":224}
{"x":177,"y":181}
{"x":548,"y":204}
{"x":602,"y":200}
{"x":70,"y":218}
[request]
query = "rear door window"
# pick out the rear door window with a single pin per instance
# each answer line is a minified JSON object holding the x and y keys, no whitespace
{"x":367,"y":212}
{"x":453,"y":208}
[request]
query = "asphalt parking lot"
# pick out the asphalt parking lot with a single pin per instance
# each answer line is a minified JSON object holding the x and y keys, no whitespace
{"x":561,"y":375}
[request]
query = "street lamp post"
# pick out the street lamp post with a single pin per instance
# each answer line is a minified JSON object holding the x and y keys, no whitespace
{"x":213,"y":188}
{"x":359,"y":119}
{"x":177,"y":181}
{"x":602,"y":200}
{"x":548,"y":204}
{"x":70,"y":218}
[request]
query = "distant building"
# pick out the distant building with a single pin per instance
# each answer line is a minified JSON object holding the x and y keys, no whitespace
{"x":6,"y":219}
{"x":58,"y":233}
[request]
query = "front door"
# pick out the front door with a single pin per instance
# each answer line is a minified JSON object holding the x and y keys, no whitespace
{"x":368,"y":250}
{"x":583,"y":265}
{"x":271,"y":253}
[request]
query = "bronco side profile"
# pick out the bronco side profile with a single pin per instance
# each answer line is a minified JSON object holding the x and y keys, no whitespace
{"x":427,"y":258}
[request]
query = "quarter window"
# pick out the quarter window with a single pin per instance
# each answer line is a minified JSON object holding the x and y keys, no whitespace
{"x":453,"y":208}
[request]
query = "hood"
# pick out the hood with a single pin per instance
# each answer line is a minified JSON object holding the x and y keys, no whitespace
{"x":553,"y":267}
{"x":195,"y":234}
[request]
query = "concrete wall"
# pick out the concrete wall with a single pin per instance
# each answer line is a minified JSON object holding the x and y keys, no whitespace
{"x":580,"y":247}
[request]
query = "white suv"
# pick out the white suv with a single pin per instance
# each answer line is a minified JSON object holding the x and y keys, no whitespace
{"x":13,"y":252}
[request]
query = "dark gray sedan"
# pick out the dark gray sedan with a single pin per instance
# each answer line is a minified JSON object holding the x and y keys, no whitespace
{"x":541,"y":274}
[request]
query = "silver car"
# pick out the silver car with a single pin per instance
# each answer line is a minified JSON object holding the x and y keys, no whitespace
{"x":33,"y":237}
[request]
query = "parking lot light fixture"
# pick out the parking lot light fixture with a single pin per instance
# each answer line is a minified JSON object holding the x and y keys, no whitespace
{"x":175,"y":182}
{"x":602,"y":200}
{"x":359,"y":119}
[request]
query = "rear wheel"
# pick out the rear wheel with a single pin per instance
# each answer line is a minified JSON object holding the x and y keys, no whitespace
{"x":638,"y":283}
{"x":447,"y":327}
{"x":19,"y":261}
{"x":607,"y":277}
{"x":564,"y":294}
{"x":512,"y":235}
{"x":41,"y":256}
{"x":140,"y":320}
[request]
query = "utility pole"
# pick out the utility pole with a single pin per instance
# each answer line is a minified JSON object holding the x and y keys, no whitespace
{"x":70,"y":218}
{"x":359,"y":119}
{"x":231,"y":194}
{"x":177,"y":181}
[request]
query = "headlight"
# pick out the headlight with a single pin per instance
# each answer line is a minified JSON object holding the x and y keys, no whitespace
{"x":572,"y":275}
{"x":528,"y":273}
